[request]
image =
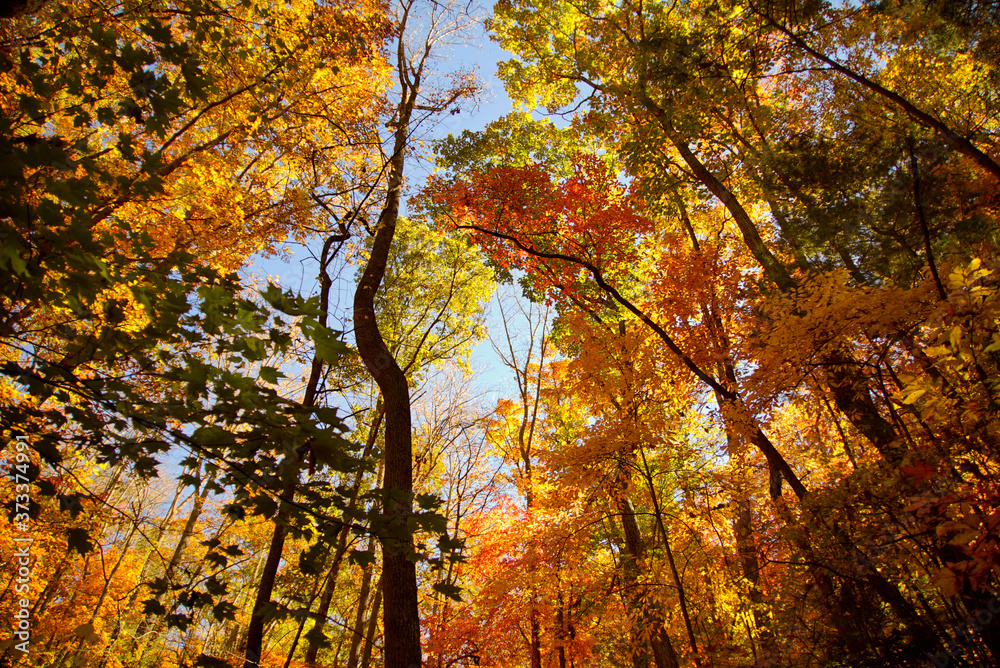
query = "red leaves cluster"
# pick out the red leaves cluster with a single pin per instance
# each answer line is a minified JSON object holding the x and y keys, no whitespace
{"x":524,"y":219}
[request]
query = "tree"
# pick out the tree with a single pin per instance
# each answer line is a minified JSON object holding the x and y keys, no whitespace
{"x":148,"y":151}
{"x":399,"y":578}
{"x":715,"y":111}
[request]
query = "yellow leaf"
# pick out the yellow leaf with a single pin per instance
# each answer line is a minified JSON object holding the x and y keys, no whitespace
{"x":955,"y":337}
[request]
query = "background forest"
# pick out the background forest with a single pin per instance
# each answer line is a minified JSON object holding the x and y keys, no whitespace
{"x":747,"y":333}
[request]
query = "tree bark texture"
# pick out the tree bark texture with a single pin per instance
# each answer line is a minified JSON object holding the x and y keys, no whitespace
{"x":401,"y":621}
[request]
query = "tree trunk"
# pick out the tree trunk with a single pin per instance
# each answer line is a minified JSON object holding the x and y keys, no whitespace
{"x":399,"y":575}
{"x":147,"y":566}
{"x":560,"y":630}
{"x":366,"y":654}
{"x":852,"y":397}
{"x":665,"y":537}
{"x":535,"y":648}
{"x":773,"y":269}
{"x":326,"y":599}
{"x":650,"y":617}
{"x":746,"y":549}
{"x":630,"y":575}
{"x":359,"y":620}
{"x":255,"y":628}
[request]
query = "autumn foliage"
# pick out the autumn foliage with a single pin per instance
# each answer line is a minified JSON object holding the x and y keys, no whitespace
{"x":740,"y":290}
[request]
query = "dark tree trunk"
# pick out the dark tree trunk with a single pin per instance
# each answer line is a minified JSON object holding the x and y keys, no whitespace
{"x":255,"y":628}
{"x":366,"y":653}
{"x":401,"y":621}
{"x":650,"y":617}
{"x":359,"y":621}
{"x":535,"y":649}
{"x":330,"y":586}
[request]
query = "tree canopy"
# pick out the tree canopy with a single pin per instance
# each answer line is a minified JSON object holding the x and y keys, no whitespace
{"x":733,"y":262}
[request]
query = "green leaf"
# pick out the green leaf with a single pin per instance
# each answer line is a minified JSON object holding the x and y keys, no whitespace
{"x":330,"y":349}
{"x":71,"y":503}
{"x":270,"y":375}
{"x":153,"y":607}
{"x":215,"y":587}
{"x":224,"y":610}
{"x":79,"y":540}
{"x":206,"y":661}
{"x":449,"y":590}
{"x":428,"y":501}
{"x":362,"y":558}
{"x":217,"y":559}
{"x":46,"y":487}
